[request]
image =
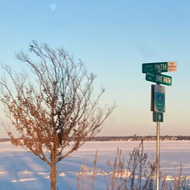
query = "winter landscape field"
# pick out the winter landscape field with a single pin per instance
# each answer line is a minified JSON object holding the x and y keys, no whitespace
{"x":21,"y":170}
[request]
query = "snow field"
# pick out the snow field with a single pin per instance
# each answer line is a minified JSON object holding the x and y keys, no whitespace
{"x":21,"y":170}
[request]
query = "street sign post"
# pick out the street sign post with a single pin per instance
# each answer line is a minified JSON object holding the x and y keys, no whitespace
{"x":158,"y":78}
{"x":158,"y":156}
{"x":159,"y":67}
{"x":153,"y":74}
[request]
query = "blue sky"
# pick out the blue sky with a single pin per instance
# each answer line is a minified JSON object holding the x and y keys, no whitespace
{"x":113,"y":38}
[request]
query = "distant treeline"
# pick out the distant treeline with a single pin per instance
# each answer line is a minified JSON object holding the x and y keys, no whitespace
{"x":129,"y":138}
{"x":4,"y":139}
{"x":139,"y":138}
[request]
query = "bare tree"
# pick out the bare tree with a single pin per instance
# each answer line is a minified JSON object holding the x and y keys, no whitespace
{"x":54,"y":111}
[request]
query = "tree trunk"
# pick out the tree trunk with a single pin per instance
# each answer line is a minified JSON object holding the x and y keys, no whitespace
{"x":53,"y":175}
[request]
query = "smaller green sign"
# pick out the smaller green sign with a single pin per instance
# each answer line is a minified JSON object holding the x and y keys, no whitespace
{"x":158,"y":78}
{"x":158,"y":117}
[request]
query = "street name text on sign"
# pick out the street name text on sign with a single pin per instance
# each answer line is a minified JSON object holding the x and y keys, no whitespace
{"x":158,"y":78}
{"x":159,"y":67}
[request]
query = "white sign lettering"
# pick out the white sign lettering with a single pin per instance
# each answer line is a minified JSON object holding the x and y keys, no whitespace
{"x":160,"y":67}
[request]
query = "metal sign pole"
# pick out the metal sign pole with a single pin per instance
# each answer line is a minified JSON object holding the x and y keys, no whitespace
{"x":158,"y":156}
{"x":153,"y":73}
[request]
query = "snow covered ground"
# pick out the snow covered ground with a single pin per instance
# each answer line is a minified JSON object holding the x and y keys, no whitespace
{"x":21,"y":170}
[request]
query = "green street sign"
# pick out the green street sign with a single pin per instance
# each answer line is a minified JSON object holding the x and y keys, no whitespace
{"x":158,"y":78}
{"x":159,"y":67}
{"x":159,"y":101}
{"x":157,"y":98}
{"x":158,"y":117}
